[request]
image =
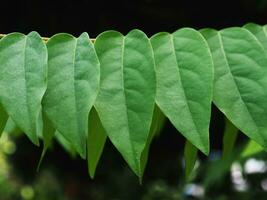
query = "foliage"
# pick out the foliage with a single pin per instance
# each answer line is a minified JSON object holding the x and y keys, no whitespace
{"x":127,"y":84}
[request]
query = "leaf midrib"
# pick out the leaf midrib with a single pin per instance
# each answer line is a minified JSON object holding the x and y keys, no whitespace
{"x":26,"y":87}
{"x":75,"y":95}
{"x":125,"y":104}
{"x":236,"y":85}
{"x":183,"y":89}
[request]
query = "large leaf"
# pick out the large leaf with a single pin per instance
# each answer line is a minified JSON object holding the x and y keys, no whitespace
{"x":23,"y":63}
{"x":127,"y":91}
{"x":259,"y":31}
{"x":240,"y":80}
{"x":3,"y":119}
{"x":184,"y":83}
{"x":95,"y":141}
{"x":73,"y":81}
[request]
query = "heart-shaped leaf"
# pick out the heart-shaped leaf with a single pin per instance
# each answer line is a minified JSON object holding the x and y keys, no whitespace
{"x":23,"y":64}
{"x":127,"y":91}
{"x":240,"y":80}
{"x":73,"y":81}
{"x":184,"y":83}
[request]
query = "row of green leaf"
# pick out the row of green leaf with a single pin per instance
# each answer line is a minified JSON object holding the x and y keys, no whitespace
{"x":123,"y":87}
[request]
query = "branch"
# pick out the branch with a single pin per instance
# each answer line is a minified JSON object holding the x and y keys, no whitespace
{"x":43,"y":38}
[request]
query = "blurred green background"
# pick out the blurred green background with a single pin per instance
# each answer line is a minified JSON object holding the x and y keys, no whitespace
{"x":63,"y":176}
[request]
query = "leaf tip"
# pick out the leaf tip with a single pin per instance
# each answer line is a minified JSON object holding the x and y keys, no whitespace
{"x":41,"y":160}
{"x":205,"y":150}
{"x":91,"y":173}
{"x":140,"y":180}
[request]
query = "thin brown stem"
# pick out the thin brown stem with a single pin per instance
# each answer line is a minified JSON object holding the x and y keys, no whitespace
{"x":44,"y":38}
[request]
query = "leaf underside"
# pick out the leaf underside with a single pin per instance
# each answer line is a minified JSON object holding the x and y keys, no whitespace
{"x":73,"y":79}
{"x":240,"y":80}
{"x":23,"y":66}
{"x":125,"y":87}
{"x":184,"y":72}
{"x":127,"y":92}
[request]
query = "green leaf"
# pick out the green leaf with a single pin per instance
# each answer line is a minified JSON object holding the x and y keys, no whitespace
{"x":73,"y":81}
{"x":190,"y":156}
{"x":11,"y":128}
{"x":251,"y":149}
{"x":158,"y":121}
{"x":3,"y":119}
{"x":240,"y":80}
{"x":48,"y":131}
{"x":184,"y":83}
{"x":229,"y":138}
{"x":260,"y":32}
{"x":48,"y":134}
{"x":95,"y":141}
{"x":23,"y":79}
{"x":127,"y":92}
{"x":66,"y":145}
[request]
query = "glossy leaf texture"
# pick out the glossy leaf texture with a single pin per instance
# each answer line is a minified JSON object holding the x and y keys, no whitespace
{"x":95,"y":141}
{"x":127,"y":92}
{"x":73,"y":81}
{"x":240,"y":80}
{"x":23,"y":69}
{"x":184,"y":72}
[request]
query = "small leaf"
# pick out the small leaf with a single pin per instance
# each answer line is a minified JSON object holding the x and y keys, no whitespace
{"x":3,"y":119}
{"x":251,"y":149}
{"x":23,"y":79}
{"x":229,"y":138}
{"x":95,"y":141}
{"x":73,"y":81}
{"x":157,"y":124}
{"x":190,"y":156}
{"x":127,"y":92}
{"x":48,"y":133}
{"x":184,"y":83}
{"x":240,"y":80}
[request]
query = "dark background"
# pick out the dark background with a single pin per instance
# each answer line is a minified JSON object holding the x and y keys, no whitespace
{"x":151,"y":16}
{"x":113,"y":178}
